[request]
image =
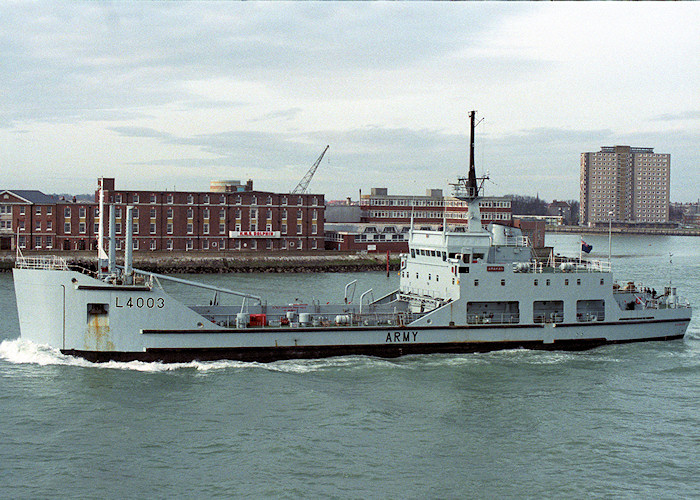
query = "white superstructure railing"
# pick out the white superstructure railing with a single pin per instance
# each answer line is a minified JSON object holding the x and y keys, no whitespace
{"x":46,"y":263}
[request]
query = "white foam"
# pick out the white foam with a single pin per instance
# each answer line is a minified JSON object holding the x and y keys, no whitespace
{"x":20,"y":351}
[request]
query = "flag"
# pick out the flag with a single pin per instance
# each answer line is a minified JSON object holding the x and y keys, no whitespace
{"x":586,"y":247}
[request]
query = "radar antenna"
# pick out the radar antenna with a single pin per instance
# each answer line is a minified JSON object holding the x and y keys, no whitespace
{"x":304,"y":183}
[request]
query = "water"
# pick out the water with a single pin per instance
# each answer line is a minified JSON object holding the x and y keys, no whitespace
{"x":618,"y":421}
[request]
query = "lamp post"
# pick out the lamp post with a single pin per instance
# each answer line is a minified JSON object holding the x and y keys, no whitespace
{"x":610,"y":236}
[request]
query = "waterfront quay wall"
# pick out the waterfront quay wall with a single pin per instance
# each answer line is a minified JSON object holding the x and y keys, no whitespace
{"x":625,"y":230}
{"x":216,"y":262}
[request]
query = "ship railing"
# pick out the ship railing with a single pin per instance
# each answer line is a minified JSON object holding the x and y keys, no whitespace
{"x":492,"y":318}
{"x":548,"y":318}
{"x":49,"y":263}
{"x":348,"y":319}
{"x":563,"y":266}
{"x":516,"y":241}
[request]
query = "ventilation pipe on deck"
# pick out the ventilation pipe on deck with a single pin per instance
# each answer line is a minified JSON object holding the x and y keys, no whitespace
{"x":129,"y":245}
{"x":112,"y":265}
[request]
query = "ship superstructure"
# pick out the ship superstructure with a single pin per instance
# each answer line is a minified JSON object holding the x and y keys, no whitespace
{"x":461,"y":289}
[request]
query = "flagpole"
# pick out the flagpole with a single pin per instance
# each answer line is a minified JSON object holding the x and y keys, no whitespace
{"x":610,"y":236}
{"x":580,"y":249}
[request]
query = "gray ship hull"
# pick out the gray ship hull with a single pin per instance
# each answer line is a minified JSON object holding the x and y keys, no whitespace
{"x":86,"y":317}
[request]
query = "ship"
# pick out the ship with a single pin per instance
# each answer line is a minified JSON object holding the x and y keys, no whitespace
{"x":462,"y":289}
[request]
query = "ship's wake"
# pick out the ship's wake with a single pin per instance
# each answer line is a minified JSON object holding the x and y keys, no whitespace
{"x":20,"y":351}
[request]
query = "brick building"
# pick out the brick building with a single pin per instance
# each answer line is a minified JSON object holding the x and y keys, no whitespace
{"x":234,"y":217}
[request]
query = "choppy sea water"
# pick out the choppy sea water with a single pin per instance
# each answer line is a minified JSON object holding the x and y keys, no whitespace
{"x":617,"y":421}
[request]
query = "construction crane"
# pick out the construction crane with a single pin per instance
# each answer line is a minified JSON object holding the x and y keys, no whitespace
{"x":304,"y":183}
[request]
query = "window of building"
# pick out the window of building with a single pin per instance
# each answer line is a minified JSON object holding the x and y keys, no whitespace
{"x":205,"y":228}
{"x":205,"y":244}
{"x":284,"y":200}
{"x":300,"y":201}
{"x":300,"y":244}
{"x":136,"y":197}
{"x":254,"y":245}
{"x":38,"y":211}
{"x":136,"y":227}
{"x":37,"y":226}
{"x":222,"y":228}
{"x":169,"y":228}
{"x":268,"y":245}
{"x":49,"y":210}
{"x":169,"y":199}
{"x":189,"y":245}
{"x":205,"y":214}
{"x":190,"y":199}
{"x":283,"y":228}
{"x":66,"y":212}
{"x":169,"y":245}
{"x":153,"y":198}
{"x":190,"y":228}
{"x":206,"y":199}
{"x":37,"y":242}
{"x":49,"y":225}
{"x":314,"y":228}
{"x":299,"y":229}
{"x":269,"y":200}
{"x":153,"y":213}
{"x":66,"y":227}
{"x":190,"y":213}
{"x":153,"y":228}
{"x":49,"y":242}
{"x":118,"y":228}
{"x":222,"y":244}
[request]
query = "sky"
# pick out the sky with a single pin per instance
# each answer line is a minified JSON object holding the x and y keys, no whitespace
{"x":172,"y":95}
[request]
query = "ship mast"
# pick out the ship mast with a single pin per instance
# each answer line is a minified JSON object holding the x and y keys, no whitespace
{"x":472,"y":189}
{"x":467,"y":188}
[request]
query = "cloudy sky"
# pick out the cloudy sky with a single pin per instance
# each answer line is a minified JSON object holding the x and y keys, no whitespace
{"x":173,"y":95}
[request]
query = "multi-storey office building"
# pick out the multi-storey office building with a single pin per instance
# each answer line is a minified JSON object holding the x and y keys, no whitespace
{"x":625,"y":184}
{"x":381,"y":208}
{"x":235,"y":218}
